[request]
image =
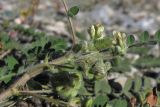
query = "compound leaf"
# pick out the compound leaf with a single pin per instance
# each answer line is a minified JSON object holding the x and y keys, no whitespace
{"x":73,"y":11}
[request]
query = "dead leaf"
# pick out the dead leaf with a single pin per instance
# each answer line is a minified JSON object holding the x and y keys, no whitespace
{"x":133,"y":101}
{"x":151,"y":98}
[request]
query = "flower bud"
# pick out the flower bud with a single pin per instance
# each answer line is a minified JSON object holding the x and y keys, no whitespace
{"x":99,"y":31}
{"x":118,"y":50}
{"x":91,"y":31}
{"x":120,"y":40}
{"x":96,"y":31}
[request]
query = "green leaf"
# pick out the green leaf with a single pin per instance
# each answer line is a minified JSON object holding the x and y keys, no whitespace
{"x":102,"y":86}
{"x":4,"y":37}
{"x":6,"y":75}
{"x":2,"y":71}
{"x":128,"y":94}
{"x":7,"y":78}
{"x":127,"y":85}
{"x":73,"y":11}
{"x":137,"y":84}
{"x":144,"y":37}
{"x":100,"y":100}
{"x":21,"y":69}
{"x":104,"y":43}
{"x":89,"y":102}
{"x":130,"y":39}
{"x":116,"y":61}
{"x":147,"y":83}
{"x":59,"y":44}
{"x":157,"y":35}
{"x":119,"y":103}
{"x":41,"y":42}
{"x":108,"y":105}
{"x":13,"y":45}
{"x":82,"y":91}
{"x":11,"y":62}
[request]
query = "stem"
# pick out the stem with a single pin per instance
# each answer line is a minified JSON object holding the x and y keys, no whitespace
{"x":71,"y":24}
{"x":21,"y":82}
{"x":143,"y":43}
{"x":5,"y":54}
{"x":37,"y":91}
{"x":34,"y":7}
{"x":50,"y":100}
{"x":30,"y":72}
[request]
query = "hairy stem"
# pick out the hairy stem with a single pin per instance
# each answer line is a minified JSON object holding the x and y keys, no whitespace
{"x":36,"y":91}
{"x":71,"y":24}
{"x":50,"y":100}
{"x":143,"y":43}
{"x":30,"y":72}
